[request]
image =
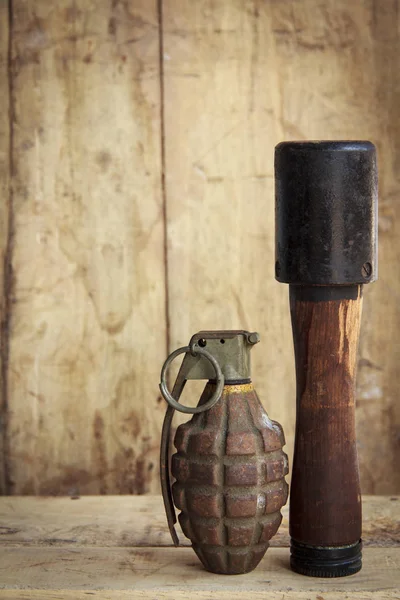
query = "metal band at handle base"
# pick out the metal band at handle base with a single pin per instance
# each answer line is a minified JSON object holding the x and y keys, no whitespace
{"x":330,"y":561}
{"x":173,"y":402}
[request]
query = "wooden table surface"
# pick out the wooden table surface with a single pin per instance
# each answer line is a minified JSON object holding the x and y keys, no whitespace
{"x":109,"y":547}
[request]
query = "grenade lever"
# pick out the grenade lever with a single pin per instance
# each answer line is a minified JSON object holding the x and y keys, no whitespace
{"x":188,"y":370}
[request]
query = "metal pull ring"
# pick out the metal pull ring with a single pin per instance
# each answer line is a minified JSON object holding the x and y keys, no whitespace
{"x":172,"y":401}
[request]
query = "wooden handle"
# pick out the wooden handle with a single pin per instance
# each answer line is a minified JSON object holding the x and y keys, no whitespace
{"x":325,"y":502}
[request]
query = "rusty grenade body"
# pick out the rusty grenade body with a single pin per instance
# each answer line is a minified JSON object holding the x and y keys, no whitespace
{"x":229,"y":467}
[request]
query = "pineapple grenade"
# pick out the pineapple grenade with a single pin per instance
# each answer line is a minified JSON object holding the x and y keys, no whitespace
{"x":229,"y":467}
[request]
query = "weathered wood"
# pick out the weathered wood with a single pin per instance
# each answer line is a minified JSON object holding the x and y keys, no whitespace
{"x":240,"y":77}
{"x":220,"y":129}
{"x":378,"y":410}
{"x":262,"y":594}
{"x":201,"y":595}
{"x":175,"y":572}
{"x":88,"y":319}
{"x":140,"y":521}
{"x":5,"y":167}
{"x":339,"y":79}
{"x":51,"y":554}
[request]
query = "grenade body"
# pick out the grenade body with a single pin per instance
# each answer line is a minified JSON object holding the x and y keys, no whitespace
{"x":230,"y":480}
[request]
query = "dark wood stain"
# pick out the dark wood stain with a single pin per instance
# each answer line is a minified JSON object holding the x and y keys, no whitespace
{"x":141,"y":478}
{"x":131,"y":424}
{"x":72,"y":13}
{"x":325,"y":505}
{"x":385,"y":532}
{"x":66,"y":483}
{"x":132,"y":475}
{"x":112,"y":26}
{"x":103,"y":159}
{"x":8,"y":530}
{"x":100,"y":452}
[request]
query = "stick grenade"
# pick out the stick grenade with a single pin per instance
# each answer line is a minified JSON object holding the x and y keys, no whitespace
{"x":326,"y":203}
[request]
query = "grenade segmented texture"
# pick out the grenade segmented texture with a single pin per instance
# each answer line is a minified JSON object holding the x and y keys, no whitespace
{"x":230,"y":485}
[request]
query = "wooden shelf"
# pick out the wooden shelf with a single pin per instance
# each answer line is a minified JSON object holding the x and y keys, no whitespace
{"x":119,"y":547}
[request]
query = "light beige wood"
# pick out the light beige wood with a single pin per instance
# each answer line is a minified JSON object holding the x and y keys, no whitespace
{"x":221,"y":125}
{"x":339,"y":78}
{"x":5,"y":191}
{"x":140,"y":521}
{"x":240,"y":77}
{"x":62,"y":548}
{"x":263,"y":594}
{"x":88,"y":320}
{"x":174,"y":571}
{"x":379,"y":373}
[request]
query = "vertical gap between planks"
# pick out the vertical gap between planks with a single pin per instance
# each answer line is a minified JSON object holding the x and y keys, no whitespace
{"x":163,"y":182}
{"x":7,"y":268}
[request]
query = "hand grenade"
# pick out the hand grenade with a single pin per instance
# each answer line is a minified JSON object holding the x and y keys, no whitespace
{"x":229,"y":467}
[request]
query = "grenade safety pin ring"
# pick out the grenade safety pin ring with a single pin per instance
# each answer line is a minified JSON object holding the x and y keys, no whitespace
{"x":219,"y":381}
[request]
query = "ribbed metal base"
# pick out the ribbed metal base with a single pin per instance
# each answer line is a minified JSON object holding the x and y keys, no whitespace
{"x":329,"y":561}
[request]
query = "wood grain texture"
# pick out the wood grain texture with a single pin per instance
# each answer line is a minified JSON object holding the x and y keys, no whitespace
{"x":177,"y":571}
{"x":378,"y":380}
{"x":221,"y":94}
{"x":325,"y":496}
{"x":63,"y":548}
{"x":87,"y":328}
{"x":5,"y":190}
{"x":239,"y":78}
{"x":262,"y":594}
{"x":126,"y":521}
{"x":88,"y":318}
{"x":336,"y":60}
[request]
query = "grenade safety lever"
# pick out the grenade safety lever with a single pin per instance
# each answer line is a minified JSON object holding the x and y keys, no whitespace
{"x":190,"y":369}
{"x":229,"y":466}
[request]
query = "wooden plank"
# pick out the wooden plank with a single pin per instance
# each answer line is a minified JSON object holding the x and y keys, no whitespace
{"x":5,"y":167}
{"x":88,"y":323}
{"x":268,"y":595}
{"x":176,"y":571}
{"x":379,"y":374}
{"x":221,"y":93}
{"x":239,"y":78}
{"x":265,"y":594}
{"x":381,"y":520}
{"x":140,"y":521}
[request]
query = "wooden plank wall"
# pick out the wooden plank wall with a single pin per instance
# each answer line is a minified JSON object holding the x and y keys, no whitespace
{"x":88,"y":302}
{"x":5,"y":192}
{"x":142,"y":211}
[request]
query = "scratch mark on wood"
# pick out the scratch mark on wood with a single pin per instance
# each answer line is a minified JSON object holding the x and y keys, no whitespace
{"x":218,"y":142}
